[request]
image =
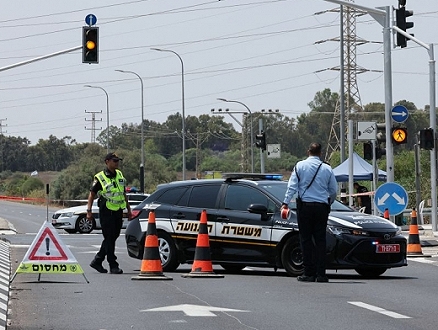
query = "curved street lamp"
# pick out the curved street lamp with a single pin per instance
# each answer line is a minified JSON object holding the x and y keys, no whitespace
{"x":252,"y":137}
{"x":107,"y":115}
{"x":142,"y":129}
{"x":183,"y":110}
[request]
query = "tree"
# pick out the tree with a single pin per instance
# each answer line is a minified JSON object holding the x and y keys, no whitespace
{"x":55,"y":153}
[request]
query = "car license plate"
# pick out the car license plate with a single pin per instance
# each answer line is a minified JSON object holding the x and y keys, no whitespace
{"x":388,"y":248}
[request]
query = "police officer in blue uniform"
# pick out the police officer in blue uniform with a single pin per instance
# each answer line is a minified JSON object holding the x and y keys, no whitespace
{"x":315,"y":184}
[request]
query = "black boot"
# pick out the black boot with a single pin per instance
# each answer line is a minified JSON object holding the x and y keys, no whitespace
{"x":98,"y":266}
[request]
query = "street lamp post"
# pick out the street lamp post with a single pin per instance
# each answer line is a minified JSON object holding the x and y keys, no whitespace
{"x":107,"y":115}
{"x":183,"y":110}
{"x":142,"y":129}
{"x":252,"y":135}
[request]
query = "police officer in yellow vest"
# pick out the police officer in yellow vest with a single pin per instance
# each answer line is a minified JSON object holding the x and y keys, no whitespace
{"x":109,"y":186}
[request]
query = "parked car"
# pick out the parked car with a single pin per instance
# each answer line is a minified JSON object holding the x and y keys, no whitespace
{"x":74,"y":219}
{"x":246,"y":228}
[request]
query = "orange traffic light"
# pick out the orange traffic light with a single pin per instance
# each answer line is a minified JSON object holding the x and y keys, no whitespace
{"x":399,"y":135}
{"x":90,"y":44}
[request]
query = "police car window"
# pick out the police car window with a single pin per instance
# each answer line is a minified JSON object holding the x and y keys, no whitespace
{"x":204,"y":196}
{"x":240,"y":197}
{"x":172,"y":195}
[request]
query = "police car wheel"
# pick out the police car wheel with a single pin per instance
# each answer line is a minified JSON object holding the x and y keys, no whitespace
{"x":370,"y":272}
{"x":83,"y":225}
{"x":168,"y":253}
{"x":292,"y":257}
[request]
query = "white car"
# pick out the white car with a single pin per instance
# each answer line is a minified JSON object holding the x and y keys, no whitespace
{"x":74,"y":219}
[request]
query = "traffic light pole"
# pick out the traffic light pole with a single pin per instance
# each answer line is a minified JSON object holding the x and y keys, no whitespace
{"x":432,"y":120}
{"x":39,"y":58}
{"x":383,"y":17}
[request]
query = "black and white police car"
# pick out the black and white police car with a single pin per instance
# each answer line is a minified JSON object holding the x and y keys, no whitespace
{"x":74,"y":219}
{"x":246,"y":229}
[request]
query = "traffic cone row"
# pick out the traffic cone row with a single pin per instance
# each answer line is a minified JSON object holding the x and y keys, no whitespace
{"x":151,"y":267}
{"x":202,"y":265}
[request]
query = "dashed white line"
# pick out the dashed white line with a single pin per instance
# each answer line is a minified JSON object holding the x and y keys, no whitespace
{"x":379,"y":310}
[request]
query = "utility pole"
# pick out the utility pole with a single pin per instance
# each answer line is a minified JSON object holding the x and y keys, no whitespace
{"x":1,"y":125}
{"x":1,"y":133}
{"x":93,"y":124}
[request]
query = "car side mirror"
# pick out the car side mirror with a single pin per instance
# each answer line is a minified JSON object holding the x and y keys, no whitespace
{"x":259,"y":209}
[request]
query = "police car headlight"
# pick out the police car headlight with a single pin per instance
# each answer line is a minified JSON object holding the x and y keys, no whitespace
{"x":66,"y":215}
{"x":348,"y":231}
{"x":399,"y":231}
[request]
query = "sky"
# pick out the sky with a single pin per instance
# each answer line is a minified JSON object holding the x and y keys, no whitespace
{"x":267,"y":54}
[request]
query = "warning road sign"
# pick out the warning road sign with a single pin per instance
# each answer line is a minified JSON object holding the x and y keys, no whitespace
{"x":47,"y":248}
{"x":48,"y":254}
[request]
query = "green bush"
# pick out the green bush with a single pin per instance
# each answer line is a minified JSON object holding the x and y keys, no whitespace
{"x":30,"y":185}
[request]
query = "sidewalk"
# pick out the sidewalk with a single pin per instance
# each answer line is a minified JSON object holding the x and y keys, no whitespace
{"x":6,"y":226}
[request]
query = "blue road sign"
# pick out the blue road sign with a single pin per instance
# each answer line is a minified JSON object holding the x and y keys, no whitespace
{"x":391,"y":196}
{"x":90,"y":19}
{"x":399,"y":113}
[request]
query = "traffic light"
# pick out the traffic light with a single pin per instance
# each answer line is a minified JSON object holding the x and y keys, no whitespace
{"x":90,"y":44}
{"x":427,"y":139}
{"x":399,"y":135}
{"x":381,"y":132}
{"x":368,"y":150}
{"x":380,"y":152}
{"x":261,"y":140}
{"x":380,"y":139}
{"x":401,"y":13}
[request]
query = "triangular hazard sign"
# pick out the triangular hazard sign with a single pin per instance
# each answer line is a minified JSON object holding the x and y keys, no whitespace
{"x":48,"y":254}
{"x":47,"y":247}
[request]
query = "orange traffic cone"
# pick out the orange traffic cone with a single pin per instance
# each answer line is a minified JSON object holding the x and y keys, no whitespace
{"x":202,"y":265}
{"x":386,"y":214}
{"x":151,"y":268}
{"x":414,"y":246}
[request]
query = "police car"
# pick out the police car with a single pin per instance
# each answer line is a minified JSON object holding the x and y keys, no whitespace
{"x":74,"y":219}
{"x":246,"y":228}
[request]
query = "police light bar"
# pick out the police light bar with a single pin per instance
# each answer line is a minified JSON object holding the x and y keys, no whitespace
{"x":253,"y":176}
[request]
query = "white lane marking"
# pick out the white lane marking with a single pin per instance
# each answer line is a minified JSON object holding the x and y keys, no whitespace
{"x":423,"y":260}
{"x":379,"y":310}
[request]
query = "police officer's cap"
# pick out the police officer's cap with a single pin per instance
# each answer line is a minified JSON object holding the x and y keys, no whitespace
{"x":112,"y":155}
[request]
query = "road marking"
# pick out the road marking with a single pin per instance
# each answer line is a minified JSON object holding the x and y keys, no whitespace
{"x":193,"y":310}
{"x":379,"y":310}
{"x":423,"y":260}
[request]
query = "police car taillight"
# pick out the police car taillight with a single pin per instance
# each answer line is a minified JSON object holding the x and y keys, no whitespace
{"x":135,"y":213}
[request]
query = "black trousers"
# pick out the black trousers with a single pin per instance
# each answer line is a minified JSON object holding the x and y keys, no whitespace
{"x":111,"y":223}
{"x":312,"y":223}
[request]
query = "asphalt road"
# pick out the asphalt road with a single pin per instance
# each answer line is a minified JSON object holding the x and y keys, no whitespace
{"x":403,"y":298}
